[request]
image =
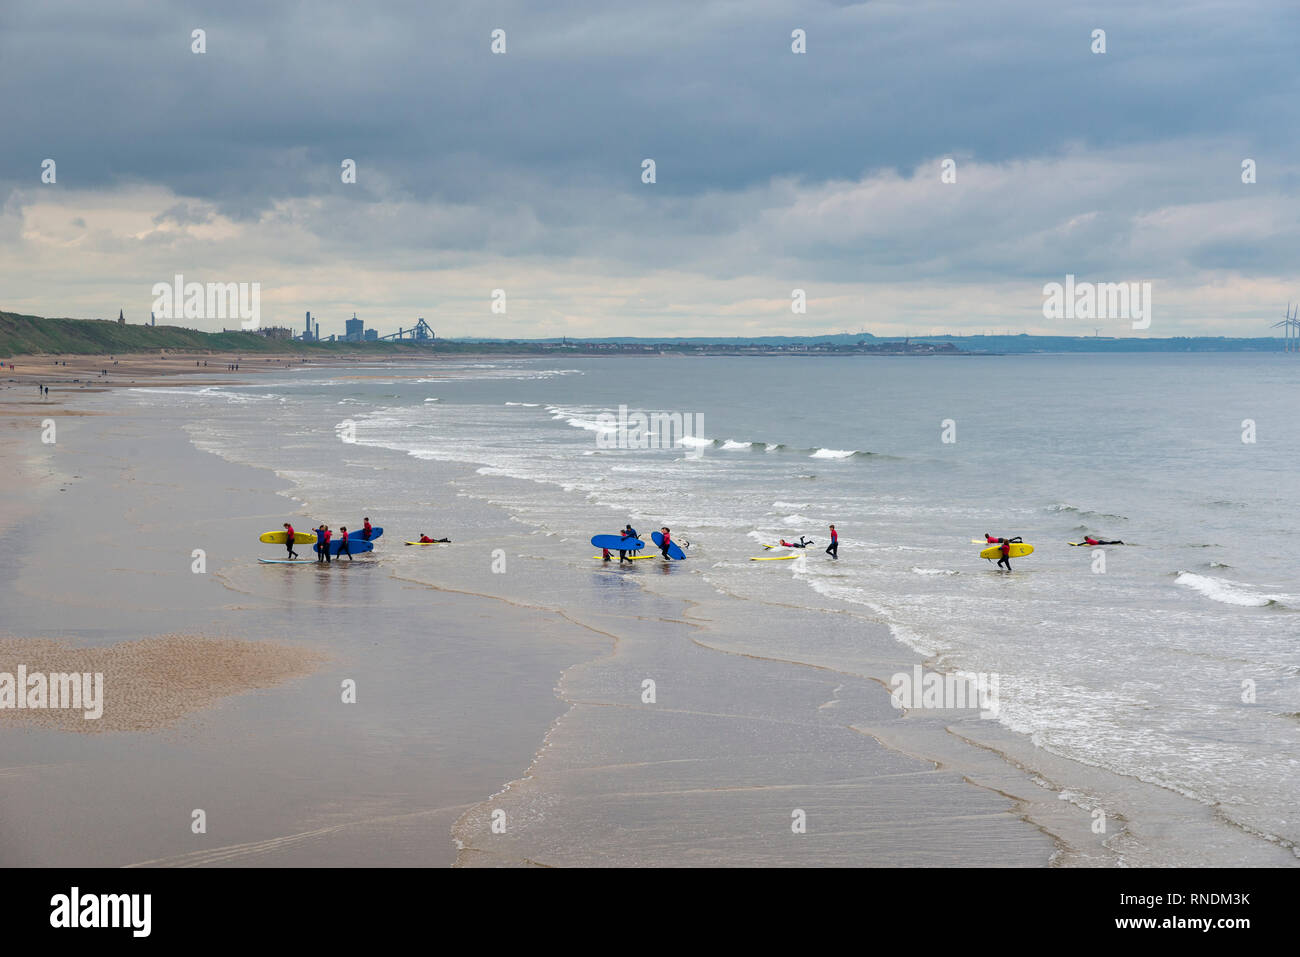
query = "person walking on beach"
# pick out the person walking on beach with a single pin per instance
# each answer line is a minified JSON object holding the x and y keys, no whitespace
{"x":665,"y":542}
{"x":365,"y":529}
{"x":343,"y":543}
{"x":325,"y":543}
{"x":833,"y":549}
{"x":288,"y":540}
{"x":628,"y":532}
{"x":320,"y":544}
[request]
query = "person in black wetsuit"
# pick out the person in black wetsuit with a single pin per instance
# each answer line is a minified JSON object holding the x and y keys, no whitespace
{"x":628,"y":532}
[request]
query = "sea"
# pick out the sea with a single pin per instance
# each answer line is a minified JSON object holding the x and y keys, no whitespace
{"x":1172,"y":659}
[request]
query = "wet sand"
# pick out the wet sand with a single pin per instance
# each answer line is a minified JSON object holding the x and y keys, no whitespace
{"x":244,"y":717}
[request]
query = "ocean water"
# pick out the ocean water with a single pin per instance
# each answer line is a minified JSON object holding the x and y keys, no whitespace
{"x":1173,"y":659}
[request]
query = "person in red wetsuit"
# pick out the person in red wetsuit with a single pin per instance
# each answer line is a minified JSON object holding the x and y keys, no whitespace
{"x":288,"y":540}
{"x":1089,"y":540}
{"x":365,"y":529}
{"x":991,"y":539}
{"x":329,"y":533}
{"x":343,"y":543}
{"x":322,"y":544}
{"x":833,"y":549}
{"x":666,"y":541}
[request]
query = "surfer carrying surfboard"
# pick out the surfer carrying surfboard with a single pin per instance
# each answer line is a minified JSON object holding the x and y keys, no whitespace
{"x":628,"y":532}
{"x":343,"y":542}
{"x":328,"y":535}
{"x":833,"y":549}
{"x":365,"y":529}
{"x":288,"y":540}
{"x":1006,"y":550}
{"x":322,"y":544}
{"x":666,"y":542}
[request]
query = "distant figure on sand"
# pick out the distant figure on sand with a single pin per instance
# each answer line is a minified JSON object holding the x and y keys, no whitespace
{"x":288,"y":540}
{"x":833,"y":549}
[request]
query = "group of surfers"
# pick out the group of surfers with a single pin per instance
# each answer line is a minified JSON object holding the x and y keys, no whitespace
{"x":629,"y":533}
{"x":326,"y":551}
{"x":1006,"y":543}
{"x":324,"y":537}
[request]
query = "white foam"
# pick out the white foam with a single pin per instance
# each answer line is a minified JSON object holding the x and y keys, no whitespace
{"x":1222,"y":590}
{"x":832,"y":453}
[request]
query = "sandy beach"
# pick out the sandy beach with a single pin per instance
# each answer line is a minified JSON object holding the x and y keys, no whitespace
{"x":223,"y":698}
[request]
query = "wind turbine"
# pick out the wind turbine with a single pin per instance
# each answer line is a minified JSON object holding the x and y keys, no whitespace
{"x":1292,"y":321}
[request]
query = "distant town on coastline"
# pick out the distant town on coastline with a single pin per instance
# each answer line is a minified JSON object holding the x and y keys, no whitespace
{"x":25,"y":335}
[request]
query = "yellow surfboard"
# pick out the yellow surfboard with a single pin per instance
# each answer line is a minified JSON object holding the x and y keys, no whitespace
{"x":774,"y":558}
{"x":277,"y":538}
{"x":1018,"y":550}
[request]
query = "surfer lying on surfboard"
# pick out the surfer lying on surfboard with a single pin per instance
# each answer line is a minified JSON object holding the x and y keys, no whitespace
{"x":802,"y":543}
{"x":1089,"y":540}
{"x":426,"y":540}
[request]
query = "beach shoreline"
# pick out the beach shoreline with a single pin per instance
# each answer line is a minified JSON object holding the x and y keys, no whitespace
{"x":565,"y":751}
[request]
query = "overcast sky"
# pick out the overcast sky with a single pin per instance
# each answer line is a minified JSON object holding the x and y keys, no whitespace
{"x":775,"y":171}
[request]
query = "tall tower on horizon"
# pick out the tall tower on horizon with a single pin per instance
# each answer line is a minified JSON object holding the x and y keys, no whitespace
{"x":121,"y":318}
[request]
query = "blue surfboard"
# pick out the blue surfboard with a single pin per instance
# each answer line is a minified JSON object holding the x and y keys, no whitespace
{"x":674,"y":550}
{"x":618,"y":543}
{"x":355,"y":545}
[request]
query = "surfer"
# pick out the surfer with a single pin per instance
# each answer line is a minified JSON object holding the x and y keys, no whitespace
{"x":322,"y":544}
{"x":326,"y":546}
{"x":628,"y":532}
{"x":426,"y":540}
{"x":288,"y":540}
{"x":665,"y":543}
{"x":833,"y":549}
{"x":343,"y":542}
{"x":365,"y":529}
{"x":802,"y":543}
{"x":1089,"y":540}
{"x":1006,"y":551}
